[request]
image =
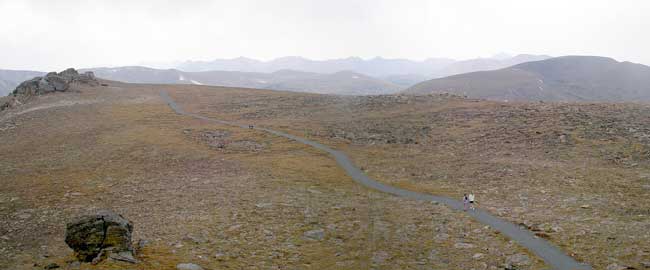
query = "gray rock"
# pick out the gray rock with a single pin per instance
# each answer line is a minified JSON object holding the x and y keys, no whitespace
{"x":195,"y":239}
{"x":463,"y":245}
{"x":55,"y":82}
{"x":58,"y":83}
{"x":188,"y":266}
{"x":518,"y":260}
{"x":44,"y":86}
{"x":124,"y":256}
{"x":89,"y":75}
{"x":74,"y":265}
{"x":615,"y":266}
{"x":87,"y":78}
{"x":317,"y":234}
{"x":68,"y":73}
{"x":51,"y":266}
{"x":30,"y":87}
{"x":104,"y":232}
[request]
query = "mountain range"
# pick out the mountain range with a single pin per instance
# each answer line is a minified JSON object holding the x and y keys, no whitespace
{"x":518,"y":78}
{"x":376,"y":67}
{"x":351,"y":75}
{"x":568,"y":78}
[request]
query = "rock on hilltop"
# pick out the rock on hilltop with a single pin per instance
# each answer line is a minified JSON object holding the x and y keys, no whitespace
{"x":51,"y":82}
{"x":55,"y":82}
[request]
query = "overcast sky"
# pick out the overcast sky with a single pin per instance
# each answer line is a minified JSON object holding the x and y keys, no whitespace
{"x":51,"y":35}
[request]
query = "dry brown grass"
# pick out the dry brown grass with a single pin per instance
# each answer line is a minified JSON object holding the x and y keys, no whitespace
{"x":531,"y":163}
{"x":131,"y":153}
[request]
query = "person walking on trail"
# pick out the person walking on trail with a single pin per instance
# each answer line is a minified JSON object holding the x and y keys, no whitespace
{"x":465,"y":201}
{"x":471,"y":201}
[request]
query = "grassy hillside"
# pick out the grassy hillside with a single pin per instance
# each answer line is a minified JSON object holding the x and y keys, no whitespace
{"x":220,"y":197}
{"x":570,"y":78}
{"x":576,"y":174}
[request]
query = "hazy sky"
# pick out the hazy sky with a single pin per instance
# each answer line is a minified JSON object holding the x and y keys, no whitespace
{"x":51,"y":35}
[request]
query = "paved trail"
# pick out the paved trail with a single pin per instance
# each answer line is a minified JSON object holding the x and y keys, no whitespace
{"x":553,"y":256}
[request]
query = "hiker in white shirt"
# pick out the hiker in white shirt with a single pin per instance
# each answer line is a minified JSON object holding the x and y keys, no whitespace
{"x":471,"y":201}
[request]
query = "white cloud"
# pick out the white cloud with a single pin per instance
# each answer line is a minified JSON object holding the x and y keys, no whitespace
{"x":49,"y":35}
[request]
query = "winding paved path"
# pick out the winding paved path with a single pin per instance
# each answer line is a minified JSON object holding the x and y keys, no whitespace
{"x":553,"y":256}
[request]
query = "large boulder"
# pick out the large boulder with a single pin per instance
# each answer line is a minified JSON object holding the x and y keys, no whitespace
{"x":69,"y":73}
{"x":52,"y":82}
{"x":32,"y":87}
{"x":55,"y":82}
{"x":103,"y":233}
{"x":87,"y":77}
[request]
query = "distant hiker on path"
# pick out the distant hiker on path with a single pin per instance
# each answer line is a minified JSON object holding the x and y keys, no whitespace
{"x":465,"y":201}
{"x":471,"y":201}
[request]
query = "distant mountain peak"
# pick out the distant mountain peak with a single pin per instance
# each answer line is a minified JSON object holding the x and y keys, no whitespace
{"x":501,"y":56}
{"x":565,"y":79}
{"x":243,"y":58}
{"x":290,"y":57}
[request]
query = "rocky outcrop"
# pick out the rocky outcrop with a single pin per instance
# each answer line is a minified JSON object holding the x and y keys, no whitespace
{"x":105,"y":233}
{"x":53,"y":82}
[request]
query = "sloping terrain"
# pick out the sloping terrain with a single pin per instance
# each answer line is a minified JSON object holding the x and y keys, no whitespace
{"x":551,"y":255}
{"x":570,"y":78}
{"x":485,"y":64}
{"x":336,"y":83}
{"x":220,"y":197}
{"x":575,"y":174}
{"x":405,"y":80}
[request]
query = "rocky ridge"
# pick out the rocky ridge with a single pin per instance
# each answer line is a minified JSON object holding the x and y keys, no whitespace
{"x":50,"y":83}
